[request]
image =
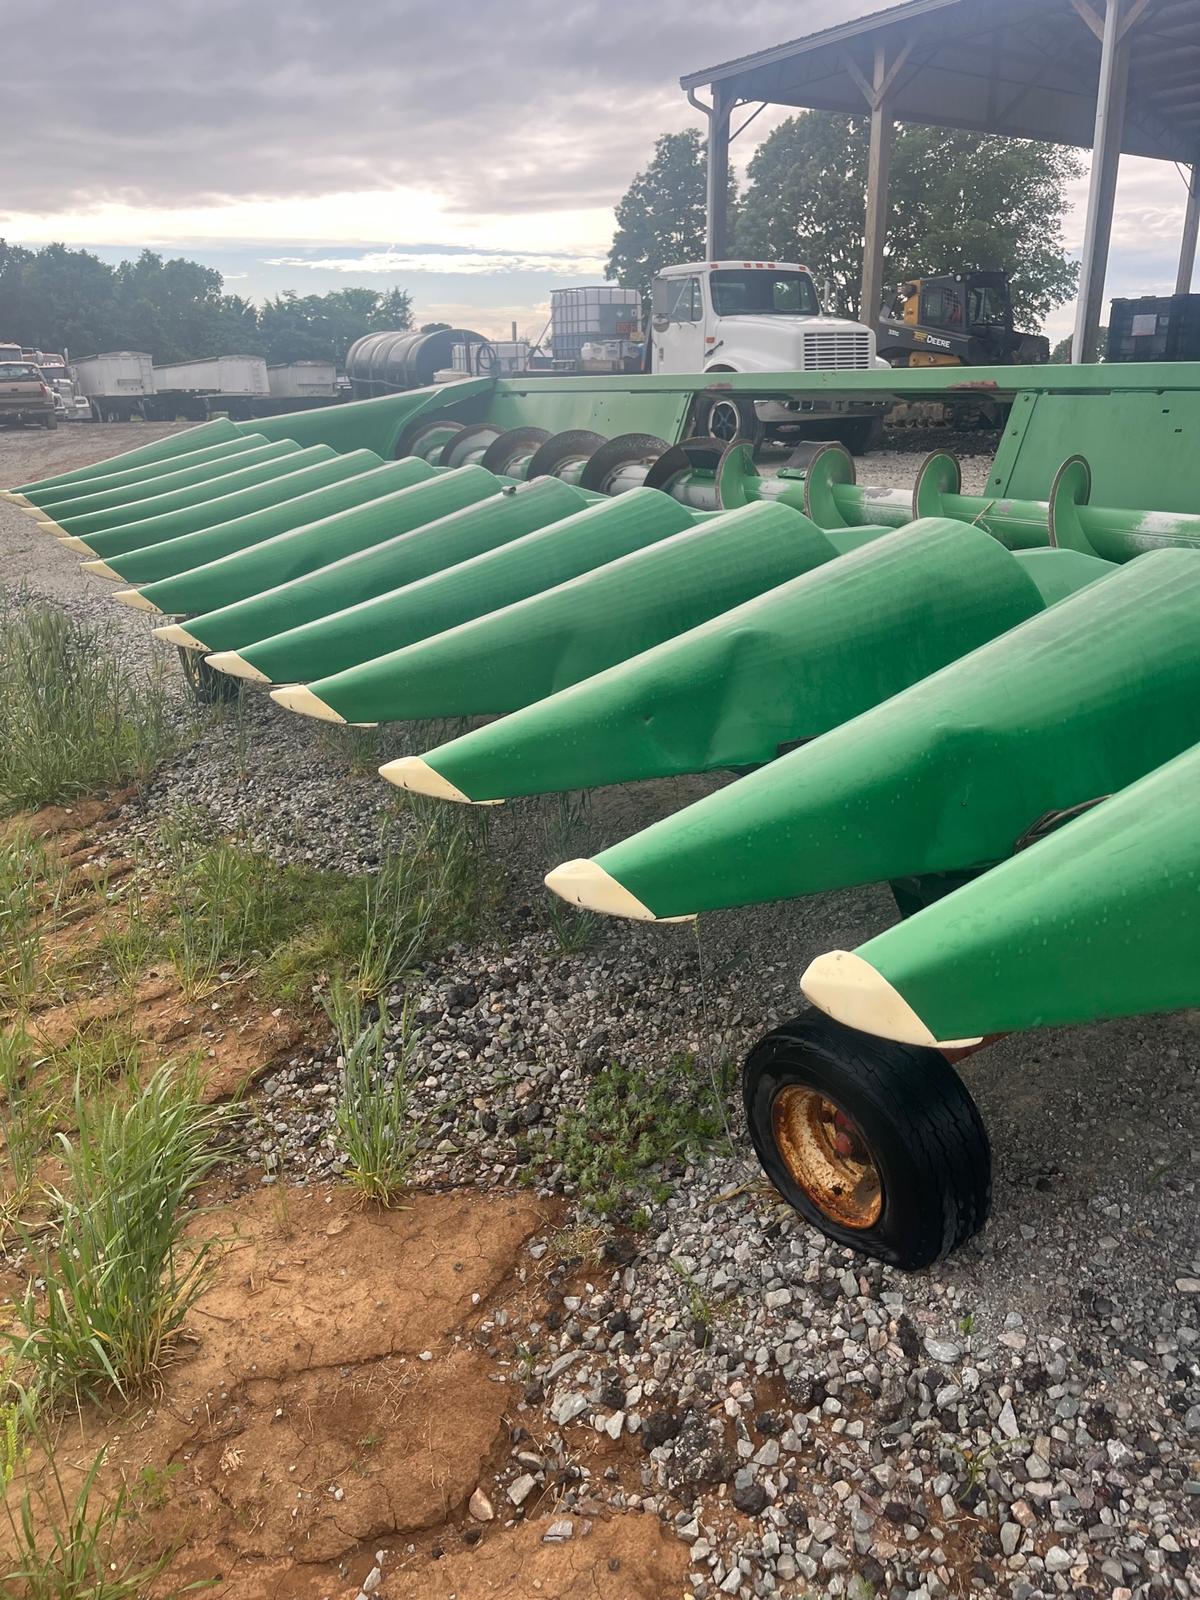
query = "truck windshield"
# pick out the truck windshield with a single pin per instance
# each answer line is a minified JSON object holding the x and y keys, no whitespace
{"x":17,"y":369}
{"x":763,"y":294}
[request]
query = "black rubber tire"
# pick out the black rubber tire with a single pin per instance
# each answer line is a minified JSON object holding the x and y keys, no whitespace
{"x":922,"y":1127}
{"x":50,"y":422}
{"x":719,"y":411}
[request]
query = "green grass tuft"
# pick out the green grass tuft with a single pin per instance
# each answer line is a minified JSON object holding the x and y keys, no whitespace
{"x":372,"y":1122}
{"x":74,"y":719}
{"x":118,"y":1280}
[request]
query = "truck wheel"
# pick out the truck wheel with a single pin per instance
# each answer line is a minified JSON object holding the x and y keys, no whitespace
{"x":50,"y":422}
{"x":877,"y":1144}
{"x":726,"y":417}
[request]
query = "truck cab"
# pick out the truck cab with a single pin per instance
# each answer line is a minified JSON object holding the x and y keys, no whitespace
{"x":760,"y":316}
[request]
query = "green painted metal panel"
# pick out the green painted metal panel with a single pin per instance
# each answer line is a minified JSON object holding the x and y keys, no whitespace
{"x":1101,"y":919}
{"x":789,"y":664}
{"x":310,"y":469}
{"x":209,"y":476}
{"x":1077,"y":702}
{"x":158,"y":450}
{"x":507,"y":658}
{"x":111,"y":529}
{"x":375,"y":484}
{"x":371,"y":424}
{"x":303,"y":548}
{"x":279,"y":616}
{"x":1143,"y":447}
{"x":436,"y":595}
{"x":60,"y":493}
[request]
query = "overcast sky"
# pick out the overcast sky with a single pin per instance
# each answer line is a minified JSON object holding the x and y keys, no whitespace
{"x":470,"y":151}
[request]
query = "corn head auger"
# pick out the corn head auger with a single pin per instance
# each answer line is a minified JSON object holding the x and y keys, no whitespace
{"x":991,"y":702}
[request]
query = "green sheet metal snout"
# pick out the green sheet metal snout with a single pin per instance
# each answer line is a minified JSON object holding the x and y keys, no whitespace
{"x":276,"y":631}
{"x":1100,"y":919}
{"x":787,"y":665}
{"x":1073,"y":704}
{"x":669,"y":575}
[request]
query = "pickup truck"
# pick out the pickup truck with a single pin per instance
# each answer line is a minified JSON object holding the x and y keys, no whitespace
{"x":761,"y":316}
{"x":25,"y":396}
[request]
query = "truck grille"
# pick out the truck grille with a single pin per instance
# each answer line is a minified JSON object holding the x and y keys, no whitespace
{"x":834,"y":351}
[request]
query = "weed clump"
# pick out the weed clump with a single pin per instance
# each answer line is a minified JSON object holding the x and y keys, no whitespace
{"x":119,"y":1280}
{"x":74,"y":718}
{"x":296,"y":927}
{"x":635,"y":1131}
{"x":372,"y":1123}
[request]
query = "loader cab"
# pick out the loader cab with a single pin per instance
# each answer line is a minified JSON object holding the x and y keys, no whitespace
{"x":962,"y":318}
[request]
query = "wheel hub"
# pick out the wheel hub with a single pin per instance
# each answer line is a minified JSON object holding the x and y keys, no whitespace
{"x":827,"y":1156}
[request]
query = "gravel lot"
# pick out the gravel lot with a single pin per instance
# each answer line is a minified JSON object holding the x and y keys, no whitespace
{"x":1022,"y":1419}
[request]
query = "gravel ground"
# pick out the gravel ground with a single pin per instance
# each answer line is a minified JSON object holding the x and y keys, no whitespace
{"x":1023,"y":1419}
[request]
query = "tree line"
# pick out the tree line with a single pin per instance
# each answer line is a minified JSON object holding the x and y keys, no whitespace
{"x":958,"y":202}
{"x":58,"y":298}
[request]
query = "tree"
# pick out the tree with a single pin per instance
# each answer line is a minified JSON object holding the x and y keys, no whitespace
{"x":958,"y":201}
{"x":324,"y":326}
{"x":1061,"y":354}
{"x":660,"y":220}
{"x":57,"y":298}
{"x":435,"y":327}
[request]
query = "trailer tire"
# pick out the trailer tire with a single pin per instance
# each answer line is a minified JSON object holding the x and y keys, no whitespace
{"x":825,"y":1102}
{"x":50,"y":422}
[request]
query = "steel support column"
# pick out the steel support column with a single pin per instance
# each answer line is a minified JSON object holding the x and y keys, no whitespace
{"x":1106,"y":157}
{"x":717,"y":199}
{"x":1191,"y":230}
{"x":878,"y":173}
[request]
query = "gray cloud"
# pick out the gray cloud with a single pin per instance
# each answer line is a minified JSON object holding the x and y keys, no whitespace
{"x":506,"y":105}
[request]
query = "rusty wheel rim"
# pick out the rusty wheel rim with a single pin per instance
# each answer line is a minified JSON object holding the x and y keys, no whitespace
{"x":827,"y":1157}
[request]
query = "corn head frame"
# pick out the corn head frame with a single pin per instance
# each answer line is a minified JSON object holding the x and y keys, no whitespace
{"x":991,"y":702}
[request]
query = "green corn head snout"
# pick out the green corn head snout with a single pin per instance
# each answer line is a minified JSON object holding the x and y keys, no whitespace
{"x":288,"y":620}
{"x":787,"y":665}
{"x":1100,"y":919}
{"x":302,"y":548}
{"x":508,"y":657}
{"x":1075,"y":703}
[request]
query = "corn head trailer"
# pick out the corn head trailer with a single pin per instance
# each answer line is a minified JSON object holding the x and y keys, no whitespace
{"x":990,"y":702}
